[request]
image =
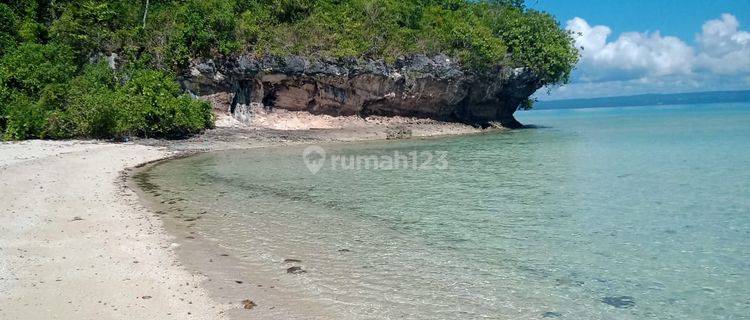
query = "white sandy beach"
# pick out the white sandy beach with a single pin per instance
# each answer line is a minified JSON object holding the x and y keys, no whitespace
{"x":75,"y":244}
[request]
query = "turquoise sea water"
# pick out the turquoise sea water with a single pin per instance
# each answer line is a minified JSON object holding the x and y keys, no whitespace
{"x":618,"y":213}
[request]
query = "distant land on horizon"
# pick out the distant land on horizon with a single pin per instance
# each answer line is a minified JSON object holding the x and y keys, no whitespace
{"x":648,"y":100}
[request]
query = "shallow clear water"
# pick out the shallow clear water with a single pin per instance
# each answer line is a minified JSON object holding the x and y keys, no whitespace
{"x":620,"y":213}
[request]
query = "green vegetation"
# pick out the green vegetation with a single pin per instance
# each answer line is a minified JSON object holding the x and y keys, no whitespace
{"x":55,"y":83}
{"x":46,"y":95}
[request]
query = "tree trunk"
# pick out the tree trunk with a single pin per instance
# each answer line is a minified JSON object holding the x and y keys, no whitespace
{"x":145,"y":14}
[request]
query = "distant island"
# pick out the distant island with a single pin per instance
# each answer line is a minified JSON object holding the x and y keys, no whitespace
{"x":648,"y":100}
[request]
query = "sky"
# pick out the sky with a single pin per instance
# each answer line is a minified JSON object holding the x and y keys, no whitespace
{"x":655,"y":46}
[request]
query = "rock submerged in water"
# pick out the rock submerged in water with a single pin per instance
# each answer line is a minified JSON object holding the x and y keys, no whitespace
{"x":248,"y":304}
{"x":622,"y":302}
{"x":551,"y":314}
{"x":295,"y":270}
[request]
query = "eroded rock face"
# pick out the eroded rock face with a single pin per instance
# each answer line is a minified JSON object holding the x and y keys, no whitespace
{"x":418,"y":86}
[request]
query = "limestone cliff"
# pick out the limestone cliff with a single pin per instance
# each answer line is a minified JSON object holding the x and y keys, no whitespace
{"x":419,"y":86}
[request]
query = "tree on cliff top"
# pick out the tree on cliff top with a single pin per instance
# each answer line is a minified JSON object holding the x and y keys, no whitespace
{"x":480,"y":33}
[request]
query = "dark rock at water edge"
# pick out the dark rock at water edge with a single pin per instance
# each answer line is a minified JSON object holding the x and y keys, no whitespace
{"x":417,"y":86}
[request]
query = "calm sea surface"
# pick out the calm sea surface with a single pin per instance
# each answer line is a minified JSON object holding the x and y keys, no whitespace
{"x":617,"y":213}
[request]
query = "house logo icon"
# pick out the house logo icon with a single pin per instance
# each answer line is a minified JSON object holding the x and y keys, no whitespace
{"x":314,"y":158}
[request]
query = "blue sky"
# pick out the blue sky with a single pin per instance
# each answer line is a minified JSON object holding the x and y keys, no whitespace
{"x":657,"y":46}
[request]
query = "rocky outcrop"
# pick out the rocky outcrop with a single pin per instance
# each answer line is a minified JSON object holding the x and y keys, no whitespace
{"x":418,"y":86}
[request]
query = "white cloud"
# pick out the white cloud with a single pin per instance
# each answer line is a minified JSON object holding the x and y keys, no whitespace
{"x":725,"y":49}
{"x":647,"y":62}
{"x":633,"y":55}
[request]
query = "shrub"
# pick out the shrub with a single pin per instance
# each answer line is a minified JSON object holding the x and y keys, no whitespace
{"x":5,"y":100}
{"x":535,"y":39}
{"x":148,"y":104}
{"x":99,"y":103}
{"x":205,"y":27}
{"x":8,"y":28}
{"x":157,"y":108}
{"x":30,"y":73}
{"x":458,"y":32}
{"x":93,"y":106}
{"x":24,"y":119}
{"x":89,"y":27}
{"x":31,"y":67}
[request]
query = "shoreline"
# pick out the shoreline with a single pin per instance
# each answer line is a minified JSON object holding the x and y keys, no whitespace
{"x":223,"y":278}
{"x":87,"y":247}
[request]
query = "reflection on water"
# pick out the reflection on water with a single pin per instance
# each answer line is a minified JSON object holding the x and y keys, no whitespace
{"x":638,"y":213}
